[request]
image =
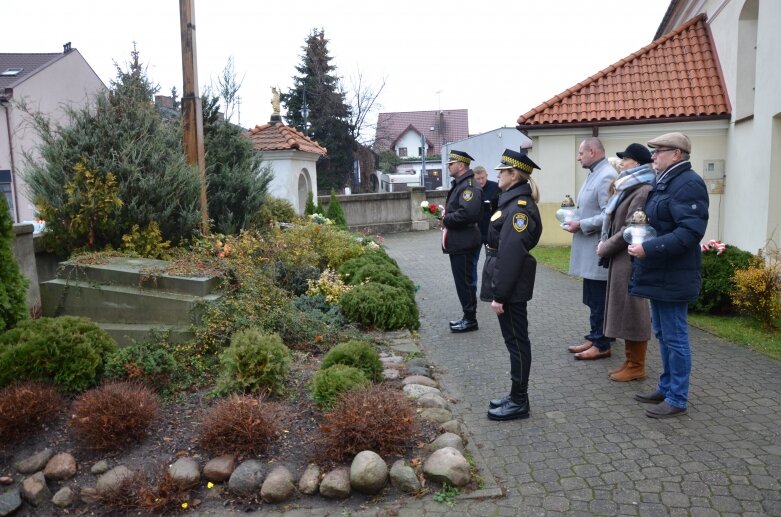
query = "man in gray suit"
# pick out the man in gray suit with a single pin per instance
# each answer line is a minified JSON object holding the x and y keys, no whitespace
{"x":585,"y":231}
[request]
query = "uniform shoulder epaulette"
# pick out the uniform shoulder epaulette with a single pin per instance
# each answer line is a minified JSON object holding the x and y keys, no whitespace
{"x":521,"y":202}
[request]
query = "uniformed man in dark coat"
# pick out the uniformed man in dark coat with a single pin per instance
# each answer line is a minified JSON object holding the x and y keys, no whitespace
{"x":461,"y":236}
{"x":509,"y":272}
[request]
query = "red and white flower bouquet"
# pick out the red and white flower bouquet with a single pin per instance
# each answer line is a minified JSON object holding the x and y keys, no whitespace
{"x":432,"y":209}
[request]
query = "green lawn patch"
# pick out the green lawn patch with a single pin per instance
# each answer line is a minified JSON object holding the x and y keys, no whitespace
{"x":555,"y":257}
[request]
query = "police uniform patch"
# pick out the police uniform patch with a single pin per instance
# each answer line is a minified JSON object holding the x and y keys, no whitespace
{"x":496,"y":215}
{"x":467,"y":195}
{"x":520,"y":222}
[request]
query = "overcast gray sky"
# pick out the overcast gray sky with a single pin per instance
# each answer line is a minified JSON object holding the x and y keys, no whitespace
{"x":498,"y":59}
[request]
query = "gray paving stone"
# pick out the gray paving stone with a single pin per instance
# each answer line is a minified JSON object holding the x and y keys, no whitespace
{"x":587,"y":442}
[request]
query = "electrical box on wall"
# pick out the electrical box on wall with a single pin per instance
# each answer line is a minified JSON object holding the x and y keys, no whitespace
{"x":713,"y":169}
{"x":713,"y":174}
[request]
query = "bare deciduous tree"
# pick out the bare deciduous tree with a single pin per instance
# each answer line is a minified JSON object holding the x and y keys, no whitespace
{"x":228,"y":88}
{"x":362,"y":97}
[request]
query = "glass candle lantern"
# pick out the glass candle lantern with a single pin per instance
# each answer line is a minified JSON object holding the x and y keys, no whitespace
{"x":639,"y":231}
{"x":567,"y":213}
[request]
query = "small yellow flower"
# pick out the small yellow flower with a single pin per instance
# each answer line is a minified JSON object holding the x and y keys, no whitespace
{"x":185,"y":505}
{"x":210,"y":485}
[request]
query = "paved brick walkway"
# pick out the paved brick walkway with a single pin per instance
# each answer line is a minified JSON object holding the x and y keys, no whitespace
{"x":588,"y":448}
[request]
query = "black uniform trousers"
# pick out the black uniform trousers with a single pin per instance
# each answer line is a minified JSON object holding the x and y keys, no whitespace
{"x":514,"y":323}
{"x":464,"y":267}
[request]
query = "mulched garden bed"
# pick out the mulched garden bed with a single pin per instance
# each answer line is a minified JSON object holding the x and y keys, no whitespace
{"x":175,"y":434}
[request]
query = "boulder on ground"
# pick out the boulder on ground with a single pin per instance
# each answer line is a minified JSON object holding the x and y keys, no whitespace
{"x":336,"y":484}
{"x":447,"y":465}
{"x":368,"y":472}
{"x":278,"y":486}
{"x":310,"y":481}
{"x":247,"y":478}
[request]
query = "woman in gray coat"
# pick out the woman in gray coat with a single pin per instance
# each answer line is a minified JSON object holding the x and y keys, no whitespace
{"x":626,"y":316}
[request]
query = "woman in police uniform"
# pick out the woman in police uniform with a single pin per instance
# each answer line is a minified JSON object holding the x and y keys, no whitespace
{"x":508,"y":274}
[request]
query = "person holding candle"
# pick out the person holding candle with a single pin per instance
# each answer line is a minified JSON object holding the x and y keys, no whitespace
{"x":666,"y":269}
{"x":626,"y":317}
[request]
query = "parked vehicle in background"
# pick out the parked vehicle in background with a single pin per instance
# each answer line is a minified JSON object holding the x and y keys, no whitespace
{"x":399,"y":181}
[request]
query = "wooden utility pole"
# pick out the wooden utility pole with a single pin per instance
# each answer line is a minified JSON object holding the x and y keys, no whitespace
{"x":192,"y":111}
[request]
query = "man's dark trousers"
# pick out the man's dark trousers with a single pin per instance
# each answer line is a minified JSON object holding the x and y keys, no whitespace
{"x":594,"y":294}
{"x":463,"y":267}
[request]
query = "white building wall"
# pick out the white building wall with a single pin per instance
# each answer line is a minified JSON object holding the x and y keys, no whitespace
{"x":410,"y":140}
{"x":753,"y":169}
{"x":555,"y":150}
{"x":70,"y":81}
{"x":289,"y":167}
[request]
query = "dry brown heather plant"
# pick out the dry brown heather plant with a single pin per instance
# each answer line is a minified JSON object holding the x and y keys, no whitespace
{"x":160,"y":495}
{"x":114,"y":415}
{"x":379,"y":418}
{"x":24,"y":406}
{"x":240,"y":424}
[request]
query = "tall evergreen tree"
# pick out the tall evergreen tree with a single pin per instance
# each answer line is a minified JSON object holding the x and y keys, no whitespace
{"x":329,"y":114}
{"x":122,"y":134}
{"x":236,"y":182}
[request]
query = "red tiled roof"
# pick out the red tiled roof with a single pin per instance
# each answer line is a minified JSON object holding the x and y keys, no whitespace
{"x":449,"y":126}
{"x":677,"y":76}
{"x":279,"y":137}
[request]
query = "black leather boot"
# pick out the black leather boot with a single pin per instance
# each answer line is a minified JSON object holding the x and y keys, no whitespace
{"x":453,"y":323}
{"x":494,"y":403}
{"x":511,"y":410}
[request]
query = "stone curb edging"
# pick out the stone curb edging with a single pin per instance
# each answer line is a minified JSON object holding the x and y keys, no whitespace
{"x":491,"y":486}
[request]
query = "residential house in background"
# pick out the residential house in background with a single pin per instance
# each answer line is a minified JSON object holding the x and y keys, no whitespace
{"x":45,"y":83}
{"x":292,"y":157}
{"x":673,"y":84}
{"x":745,"y":33}
{"x":413,"y":135}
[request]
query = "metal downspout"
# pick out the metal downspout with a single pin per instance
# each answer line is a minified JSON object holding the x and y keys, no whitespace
{"x":11,"y":153}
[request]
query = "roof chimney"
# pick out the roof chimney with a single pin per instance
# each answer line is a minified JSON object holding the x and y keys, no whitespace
{"x":66,"y":48}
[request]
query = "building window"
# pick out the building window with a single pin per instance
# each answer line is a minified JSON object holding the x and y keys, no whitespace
{"x":5,"y":188}
{"x":402,"y":152}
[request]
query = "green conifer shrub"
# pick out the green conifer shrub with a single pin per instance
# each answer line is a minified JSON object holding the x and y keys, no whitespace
{"x":13,"y":286}
{"x":150,"y":364}
{"x":273,"y":210}
{"x":350,"y":267}
{"x":718,"y":284}
{"x":381,"y":306}
{"x":335,"y":211}
{"x":237,"y":182}
{"x":356,"y":353}
{"x":121,"y":133}
{"x":330,"y":384}
{"x":69,"y":351}
{"x":254,"y":362}
{"x":383,"y":274}
{"x":310,"y":204}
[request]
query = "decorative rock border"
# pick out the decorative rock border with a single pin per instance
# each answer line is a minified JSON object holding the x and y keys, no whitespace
{"x":368,"y":472}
